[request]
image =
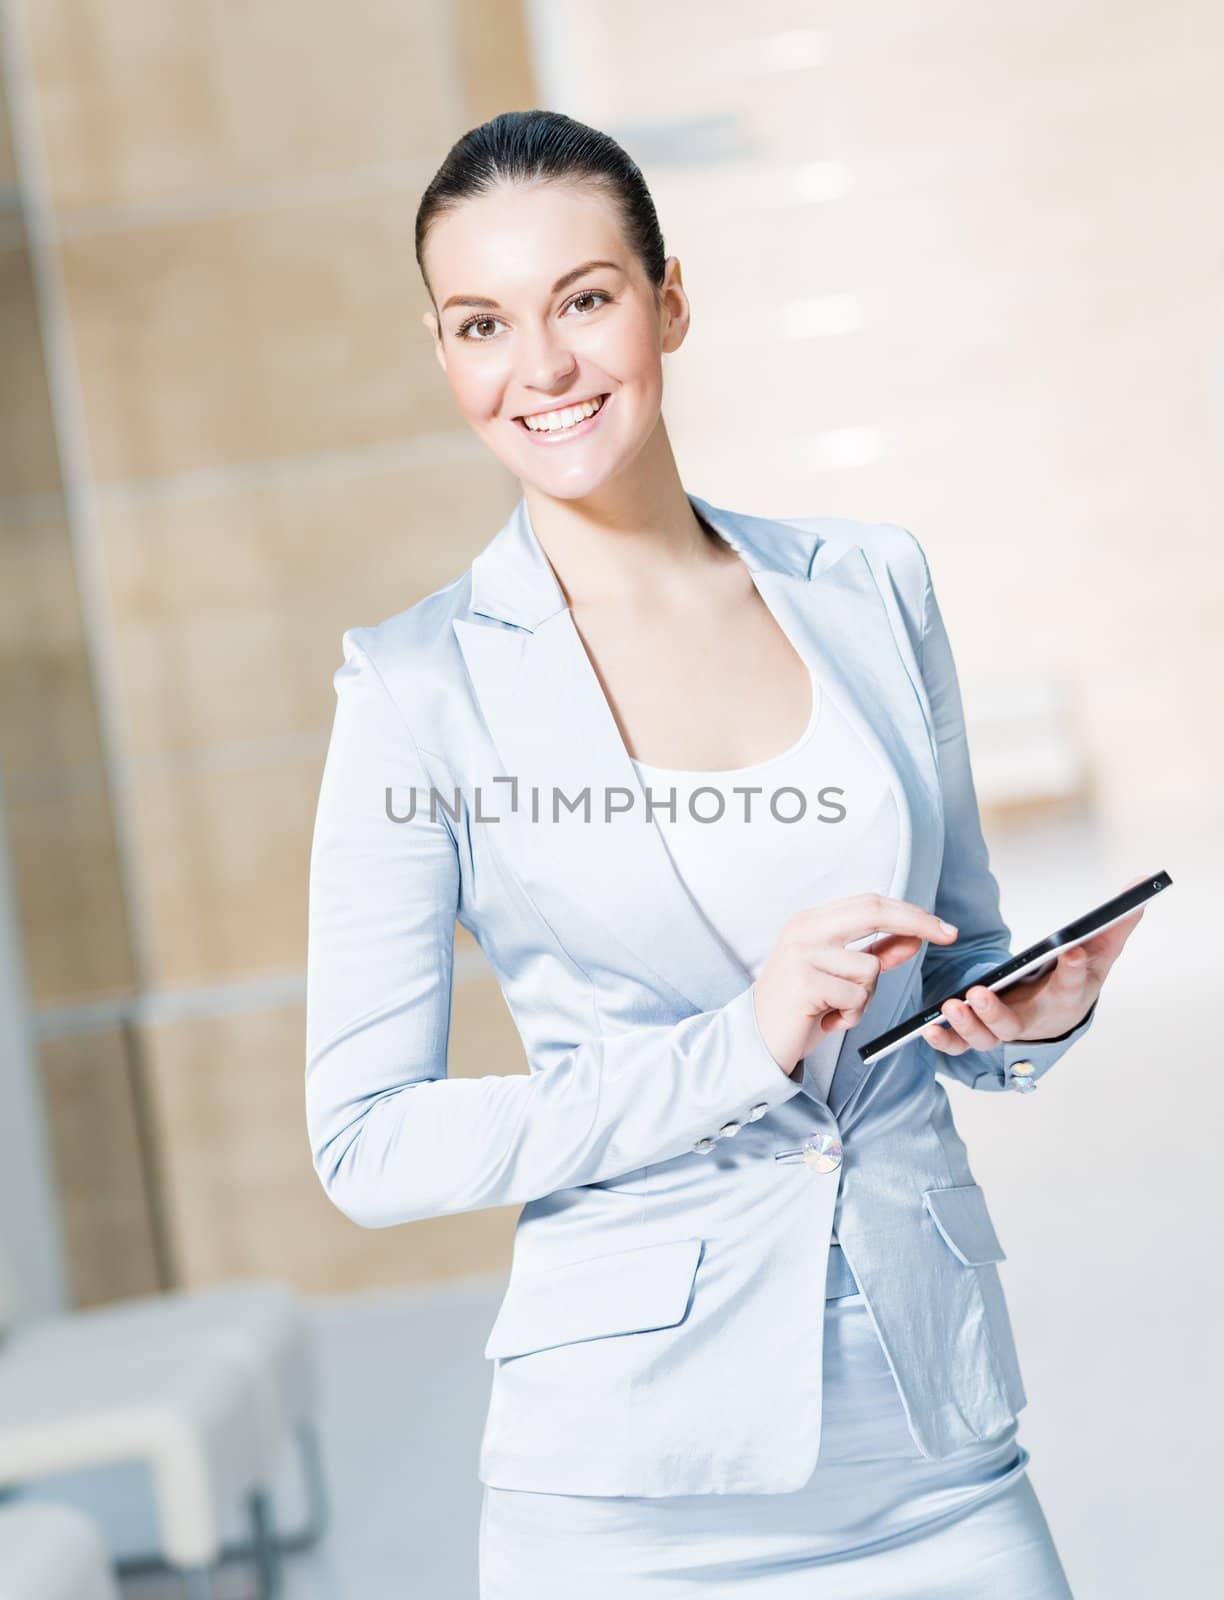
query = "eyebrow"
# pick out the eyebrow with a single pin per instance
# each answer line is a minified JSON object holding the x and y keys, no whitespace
{"x":563,"y":282}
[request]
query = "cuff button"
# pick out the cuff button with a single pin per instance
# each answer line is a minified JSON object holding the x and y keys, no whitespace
{"x":704,"y":1146}
{"x":1021,"y":1076}
{"x":758,"y":1111}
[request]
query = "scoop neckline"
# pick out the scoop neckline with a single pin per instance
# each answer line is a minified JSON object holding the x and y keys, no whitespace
{"x":756,"y":766}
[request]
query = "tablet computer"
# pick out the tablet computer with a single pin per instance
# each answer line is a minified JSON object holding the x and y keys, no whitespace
{"x":1030,"y":963}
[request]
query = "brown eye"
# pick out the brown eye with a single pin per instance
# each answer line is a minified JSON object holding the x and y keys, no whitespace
{"x":589,"y":294}
{"x":462,"y":331}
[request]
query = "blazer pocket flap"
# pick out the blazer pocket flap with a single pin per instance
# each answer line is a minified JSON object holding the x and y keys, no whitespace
{"x":961,"y":1216}
{"x":626,"y":1291}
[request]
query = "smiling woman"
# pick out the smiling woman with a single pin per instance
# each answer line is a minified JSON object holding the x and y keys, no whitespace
{"x":718,"y":1369}
{"x":552,"y":359}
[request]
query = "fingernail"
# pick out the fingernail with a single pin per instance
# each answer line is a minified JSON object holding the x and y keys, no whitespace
{"x":948,"y":927}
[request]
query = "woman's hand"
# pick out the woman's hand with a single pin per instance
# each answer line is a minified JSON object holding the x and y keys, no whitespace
{"x":811,"y":985}
{"x":1035,"y":1008}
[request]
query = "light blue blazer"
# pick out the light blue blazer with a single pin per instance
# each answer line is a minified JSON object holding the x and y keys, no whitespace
{"x":661,"y":1332}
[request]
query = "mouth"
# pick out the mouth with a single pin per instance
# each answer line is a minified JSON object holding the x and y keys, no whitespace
{"x":572,"y":430}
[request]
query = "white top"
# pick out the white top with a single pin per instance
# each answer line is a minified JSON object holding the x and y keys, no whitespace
{"x":823,"y":825}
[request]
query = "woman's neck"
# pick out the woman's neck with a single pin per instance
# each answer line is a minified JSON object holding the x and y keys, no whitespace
{"x":624,"y":553}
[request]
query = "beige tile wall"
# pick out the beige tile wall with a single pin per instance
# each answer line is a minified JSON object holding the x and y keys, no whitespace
{"x":28,"y":461}
{"x":1022,"y":212}
{"x":106,"y":1203}
{"x":8,"y":159}
{"x":296,"y":325}
{"x":44,"y":660}
{"x":217,"y":585}
{"x":273,"y":456}
{"x":200,"y":103}
{"x":57,"y":813}
{"x":243,"y":1194}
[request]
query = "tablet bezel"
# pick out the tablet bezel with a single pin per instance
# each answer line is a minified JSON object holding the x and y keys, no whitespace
{"x":1030,"y":962}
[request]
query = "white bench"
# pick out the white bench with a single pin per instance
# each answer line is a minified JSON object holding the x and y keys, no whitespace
{"x":205,"y":1388}
{"x":262,"y":1323}
{"x":52,"y":1552}
{"x":187,"y":1415}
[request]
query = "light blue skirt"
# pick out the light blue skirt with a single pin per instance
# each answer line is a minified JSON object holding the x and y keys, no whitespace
{"x":877,"y":1520}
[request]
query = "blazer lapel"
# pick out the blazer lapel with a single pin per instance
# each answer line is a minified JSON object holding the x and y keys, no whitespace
{"x":553,"y":731}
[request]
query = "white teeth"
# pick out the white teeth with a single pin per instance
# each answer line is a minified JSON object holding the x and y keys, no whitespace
{"x":552,"y":421}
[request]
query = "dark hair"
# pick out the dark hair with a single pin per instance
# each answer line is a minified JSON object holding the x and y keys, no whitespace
{"x":543,"y":147}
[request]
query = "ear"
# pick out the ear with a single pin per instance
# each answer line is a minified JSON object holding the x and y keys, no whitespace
{"x":675,"y":309}
{"x":430,"y":323}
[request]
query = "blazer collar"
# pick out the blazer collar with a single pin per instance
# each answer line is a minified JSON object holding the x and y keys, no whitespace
{"x":550,"y":725}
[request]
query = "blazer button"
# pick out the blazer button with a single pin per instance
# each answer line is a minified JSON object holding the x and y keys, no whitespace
{"x":703,"y":1146}
{"x":822,"y":1152}
{"x":819,"y":1151}
{"x":758,"y":1111}
{"x":728,"y":1128}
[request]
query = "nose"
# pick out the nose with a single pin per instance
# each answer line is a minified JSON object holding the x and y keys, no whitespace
{"x":545,"y":366}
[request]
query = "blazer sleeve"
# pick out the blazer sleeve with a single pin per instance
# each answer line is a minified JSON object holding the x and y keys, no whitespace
{"x":968,"y":894}
{"x":392,"y":1138}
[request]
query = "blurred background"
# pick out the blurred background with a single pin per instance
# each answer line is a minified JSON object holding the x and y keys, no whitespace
{"x":953,"y":265}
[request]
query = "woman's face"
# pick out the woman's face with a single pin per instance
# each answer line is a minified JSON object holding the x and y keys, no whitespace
{"x":527,"y":325}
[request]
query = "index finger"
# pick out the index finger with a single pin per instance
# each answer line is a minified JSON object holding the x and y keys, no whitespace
{"x":863,"y":914}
